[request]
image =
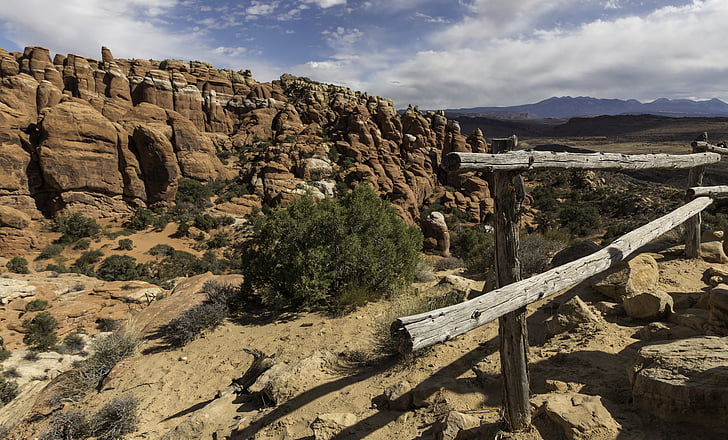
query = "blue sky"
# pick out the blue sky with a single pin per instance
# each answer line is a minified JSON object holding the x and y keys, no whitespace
{"x":431,"y":53}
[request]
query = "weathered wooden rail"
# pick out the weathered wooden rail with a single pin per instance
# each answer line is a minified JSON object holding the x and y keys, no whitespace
{"x":507,"y":303}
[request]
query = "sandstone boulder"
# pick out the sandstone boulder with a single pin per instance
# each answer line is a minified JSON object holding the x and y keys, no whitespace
{"x":328,"y":426}
{"x":437,"y":235}
{"x":718,"y":313}
{"x":456,"y":424}
{"x":569,"y":316}
{"x":683,"y":381}
{"x":638,"y":275}
{"x":711,"y":247}
{"x":653,"y":305}
{"x":579,"y":416}
{"x":283,"y":381}
{"x":13,"y":218}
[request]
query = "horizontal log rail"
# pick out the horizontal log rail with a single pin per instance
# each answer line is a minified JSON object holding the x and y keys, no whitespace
{"x":416,"y":332}
{"x":528,"y":160}
{"x":705,"y":146}
{"x":709,"y":191}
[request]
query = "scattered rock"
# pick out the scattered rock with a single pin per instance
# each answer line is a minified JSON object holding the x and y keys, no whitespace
{"x":653,"y":305}
{"x":694,"y":318}
{"x":660,"y":331}
{"x":718,"y":312}
{"x":456,"y":424}
{"x":711,"y":247}
{"x":452,"y":287}
{"x":607,"y":308}
{"x":570,"y":315}
{"x":683,"y":381}
{"x":327,"y":426}
{"x":398,"y":396}
{"x":579,"y":416}
{"x":638,"y":275}
{"x":283,"y":381}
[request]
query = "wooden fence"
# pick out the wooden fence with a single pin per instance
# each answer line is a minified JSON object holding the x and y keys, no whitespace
{"x":508,"y":301}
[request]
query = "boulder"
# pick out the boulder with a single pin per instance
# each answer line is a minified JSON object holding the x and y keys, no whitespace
{"x":625,"y":279}
{"x":314,"y":169}
{"x":284,"y":381}
{"x":661,"y":331}
{"x":456,"y":424}
{"x":578,"y":416}
{"x":399,"y":396}
{"x":652,"y":305}
{"x":711,"y":247}
{"x":683,"y":381}
{"x":574,"y":252}
{"x":718,"y":312}
{"x":434,"y":227}
{"x":569,"y":316}
{"x":328,"y":426}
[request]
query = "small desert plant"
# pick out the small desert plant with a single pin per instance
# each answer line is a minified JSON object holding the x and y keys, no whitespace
{"x":189,"y":325}
{"x":535,"y":252}
{"x":107,"y":351}
{"x":50,"y":251}
{"x":141,"y":219}
{"x":218,"y":240}
{"x":73,"y":343}
{"x":205,"y":222}
{"x":4,"y":354}
{"x":18,"y":265}
{"x":126,"y":244}
{"x":8,"y":390}
{"x":68,"y":425}
{"x":40,"y":331}
{"x":75,"y":227}
{"x":36,"y":305}
{"x":107,"y":324}
{"x":116,"y":419}
{"x":423,"y":271}
{"x":31,"y":355}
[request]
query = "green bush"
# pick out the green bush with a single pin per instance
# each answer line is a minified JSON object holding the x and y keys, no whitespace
{"x":17,"y":265}
{"x":183,"y":230}
{"x":579,"y":218}
{"x":309,"y":254}
{"x":8,"y":390}
{"x":161,"y":250}
{"x":73,"y":343}
{"x":74,"y":227}
{"x":36,"y":305}
{"x":194,"y":193}
{"x":50,"y":251}
{"x":82,"y":244}
{"x":58,"y":268}
{"x":4,"y":354}
{"x":218,"y":240}
{"x":475,"y":246}
{"x":125,"y":244}
{"x":141,"y":219}
{"x":119,"y":268}
{"x":205,"y":222}
{"x":40,"y":331}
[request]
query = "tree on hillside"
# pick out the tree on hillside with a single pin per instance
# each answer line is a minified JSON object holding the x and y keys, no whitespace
{"x":330,"y":253}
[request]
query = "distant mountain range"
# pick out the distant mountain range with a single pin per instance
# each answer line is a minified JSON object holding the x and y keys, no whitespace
{"x":567,"y":106}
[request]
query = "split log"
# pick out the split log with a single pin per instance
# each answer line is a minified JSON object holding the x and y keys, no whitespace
{"x":533,"y":160}
{"x":708,"y":191}
{"x":705,"y":146}
{"x":419,"y":331}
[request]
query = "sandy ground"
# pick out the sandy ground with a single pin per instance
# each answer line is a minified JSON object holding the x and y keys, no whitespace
{"x":184,"y":389}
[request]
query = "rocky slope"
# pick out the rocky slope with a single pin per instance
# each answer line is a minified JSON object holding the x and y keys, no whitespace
{"x":103,"y":136}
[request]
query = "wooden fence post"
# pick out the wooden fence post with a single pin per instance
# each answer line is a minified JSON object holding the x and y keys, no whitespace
{"x":692,"y":226}
{"x":509,"y":193}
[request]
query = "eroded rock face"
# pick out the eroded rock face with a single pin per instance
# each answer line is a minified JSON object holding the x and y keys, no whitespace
{"x":683,"y":381}
{"x":85,"y":135}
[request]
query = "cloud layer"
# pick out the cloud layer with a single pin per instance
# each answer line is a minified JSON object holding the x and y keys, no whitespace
{"x":427,"y":52}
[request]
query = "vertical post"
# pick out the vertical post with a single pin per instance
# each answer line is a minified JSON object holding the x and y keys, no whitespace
{"x":509,"y":194}
{"x":692,"y":225}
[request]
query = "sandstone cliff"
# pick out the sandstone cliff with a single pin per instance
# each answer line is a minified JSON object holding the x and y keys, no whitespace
{"x":103,"y":136}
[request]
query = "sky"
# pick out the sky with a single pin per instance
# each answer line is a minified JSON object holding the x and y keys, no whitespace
{"x":432,"y":53}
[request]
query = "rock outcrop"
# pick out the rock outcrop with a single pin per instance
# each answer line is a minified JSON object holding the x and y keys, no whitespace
{"x":102,"y":137}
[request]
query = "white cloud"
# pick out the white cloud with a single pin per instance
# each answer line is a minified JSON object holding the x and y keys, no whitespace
{"x":666,"y":53}
{"x":131,"y":29}
{"x":261,"y":8}
{"x":325,"y":3}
